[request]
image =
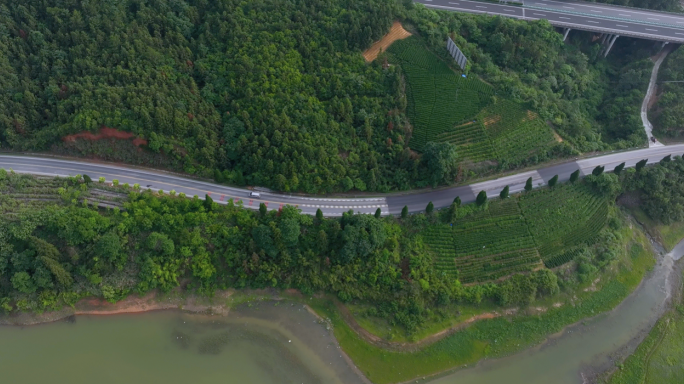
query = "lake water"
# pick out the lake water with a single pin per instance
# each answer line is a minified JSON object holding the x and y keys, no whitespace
{"x":262,"y":344}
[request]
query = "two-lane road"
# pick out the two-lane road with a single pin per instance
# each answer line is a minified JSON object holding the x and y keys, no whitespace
{"x":665,"y":28}
{"x":540,"y":177}
{"x":158,"y":180}
{"x":389,"y":204}
{"x":609,"y":11}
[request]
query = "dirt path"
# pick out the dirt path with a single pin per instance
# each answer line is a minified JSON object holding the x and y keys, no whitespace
{"x":409,"y":346}
{"x":397,"y":32}
{"x":149,"y":302}
{"x":648,"y":127}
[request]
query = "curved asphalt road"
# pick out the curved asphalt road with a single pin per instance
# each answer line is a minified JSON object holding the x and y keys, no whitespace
{"x":389,"y":204}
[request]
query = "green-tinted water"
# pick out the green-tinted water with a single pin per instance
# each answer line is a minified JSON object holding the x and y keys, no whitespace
{"x":268,"y":344}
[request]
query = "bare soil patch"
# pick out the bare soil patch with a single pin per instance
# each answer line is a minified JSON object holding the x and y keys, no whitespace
{"x":557,"y":136}
{"x":149,"y":302}
{"x":105,"y":133}
{"x":491,"y":120}
{"x":397,"y":32}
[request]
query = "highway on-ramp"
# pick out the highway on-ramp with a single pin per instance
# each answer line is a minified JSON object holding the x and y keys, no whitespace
{"x":633,"y":22}
{"x":330,"y":206}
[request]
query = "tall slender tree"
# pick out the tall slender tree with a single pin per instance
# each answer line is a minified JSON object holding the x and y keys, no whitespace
{"x":574,"y":176}
{"x":641,"y":164}
{"x":553,"y":181}
{"x":528,"y":184}
{"x":598,"y":170}
{"x":481,"y":198}
{"x":504,"y":193}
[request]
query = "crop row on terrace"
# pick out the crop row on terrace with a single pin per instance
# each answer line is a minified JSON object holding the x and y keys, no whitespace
{"x":438,"y":98}
{"x":445,"y":107}
{"x":485,"y":245}
{"x":519,"y":233}
{"x":562,"y":217}
{"x":515,"y":132}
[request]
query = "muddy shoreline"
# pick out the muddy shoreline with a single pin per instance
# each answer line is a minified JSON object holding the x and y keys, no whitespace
{"x":131,"y":304}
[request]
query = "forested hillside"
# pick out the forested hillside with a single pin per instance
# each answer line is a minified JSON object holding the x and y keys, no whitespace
{"x":277,"y":93}
{"x":667,"y":113}
{"x":274,"y":92}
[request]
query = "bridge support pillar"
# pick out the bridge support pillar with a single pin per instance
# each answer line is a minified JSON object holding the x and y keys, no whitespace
{"x":610,"y":44}
{"x":664,"y":44}
{"x":565,"y":33}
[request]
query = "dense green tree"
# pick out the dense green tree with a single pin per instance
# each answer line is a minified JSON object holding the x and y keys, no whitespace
{"x":263,"y":210}
{"x":109,"y":246}
{"x":263,"y":237}
{"x":404,"y":212}
{"x":62,"y":276}
{"x":481,"y":198}
{"x":319,"y":215}
{"x":598,"y":170}
{"x":208,"y":202}
{"x":667,"y":114}
{"x":504,"y":193}
{"x":457,"y":201}
{"x":441,"y":160}
{"x":290,"y":231}
{"x":553,"y":181}
{"x":666,"y":159}
{"x":528,"y":184}
{"x":22,"y":282}
{"x":430,"y":207}
{"x":619,"y":168}
{"x":641,"y":164}
{"x":574,"y":176}
{"x":378,"y":213}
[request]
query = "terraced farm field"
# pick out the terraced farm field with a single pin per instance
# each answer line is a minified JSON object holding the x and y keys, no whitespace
{"x":562,"y":218}
{"x":438,"y":97}
{"x":19,"y":191}
{"x":445,"y":107}
{"x":519,"y":234}
{"x":515,"y":132}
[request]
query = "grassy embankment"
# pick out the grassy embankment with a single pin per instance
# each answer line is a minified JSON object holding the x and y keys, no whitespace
{"x":667,"y":235}
{"x":499,"y":336}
